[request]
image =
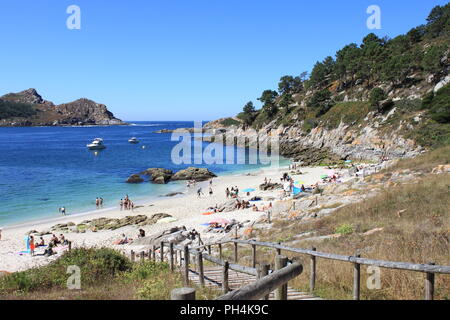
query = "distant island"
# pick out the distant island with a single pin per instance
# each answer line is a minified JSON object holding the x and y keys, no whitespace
{"x":28,"y":108}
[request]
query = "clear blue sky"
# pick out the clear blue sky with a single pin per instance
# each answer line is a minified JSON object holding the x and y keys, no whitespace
{"x":179,"y":60}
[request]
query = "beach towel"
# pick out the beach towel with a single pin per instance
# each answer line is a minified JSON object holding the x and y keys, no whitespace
{"x":297,"y":190}
{"x":208,"y":213}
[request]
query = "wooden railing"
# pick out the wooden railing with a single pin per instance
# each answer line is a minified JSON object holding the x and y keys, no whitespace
{"x":278,"y":279}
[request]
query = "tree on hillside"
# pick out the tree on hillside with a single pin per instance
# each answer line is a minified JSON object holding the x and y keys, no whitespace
{"x":377,"y":95}
{"x":439,"y":21}
{"x":290,"y":85}
{"x":285,"y":103}
{"x":249,"y":113}
{"x":321,"y":101}
{"x":268,"y":99}
{"x":322,"y":72}
{"x":348,"y":61}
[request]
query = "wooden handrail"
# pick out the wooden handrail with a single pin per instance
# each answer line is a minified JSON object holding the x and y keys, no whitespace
{"x":265,"y":285}
{"x":380,"y":263}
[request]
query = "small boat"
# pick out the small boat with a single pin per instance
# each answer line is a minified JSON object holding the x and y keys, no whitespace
{"x":133,"y":140}
{"x":97,"y":144}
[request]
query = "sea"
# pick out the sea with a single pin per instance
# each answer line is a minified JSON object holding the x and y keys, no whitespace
{"x":45,"y":168}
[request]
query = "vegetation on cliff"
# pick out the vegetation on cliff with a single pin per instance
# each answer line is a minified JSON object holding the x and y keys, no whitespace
{"x":9,"y":109}
{"x":376,"y":76}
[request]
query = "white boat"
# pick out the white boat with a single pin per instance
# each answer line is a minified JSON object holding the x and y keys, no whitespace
{"x":97,"y":144}
{"x":133,"y":140}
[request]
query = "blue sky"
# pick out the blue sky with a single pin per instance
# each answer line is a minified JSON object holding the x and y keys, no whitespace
{"x":180,"y":60}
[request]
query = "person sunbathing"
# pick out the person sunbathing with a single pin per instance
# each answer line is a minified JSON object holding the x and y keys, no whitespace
{"x":41,"y":243}
{"x":255,"y":208}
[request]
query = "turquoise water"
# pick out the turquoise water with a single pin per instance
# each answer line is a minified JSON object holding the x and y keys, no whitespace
{"x":44,"y":168}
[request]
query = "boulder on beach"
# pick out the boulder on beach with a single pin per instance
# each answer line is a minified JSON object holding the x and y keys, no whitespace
{"x":175,"y":235}
{"x":135,"y":178}
{"x":270,"y":186}
{"x":192,"y":173}
{"x":158,"y":175}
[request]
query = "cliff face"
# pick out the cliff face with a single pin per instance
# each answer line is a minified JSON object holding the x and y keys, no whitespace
{"x":79,"y":112}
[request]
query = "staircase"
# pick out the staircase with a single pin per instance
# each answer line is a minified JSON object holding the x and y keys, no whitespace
{"x":213,"y":278}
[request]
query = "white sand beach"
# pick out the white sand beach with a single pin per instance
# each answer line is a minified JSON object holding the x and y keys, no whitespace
{"x":186,"y":208}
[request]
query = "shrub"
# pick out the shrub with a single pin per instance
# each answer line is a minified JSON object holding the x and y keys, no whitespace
{"x":96,"y":265}
{"x":345,"y":229}
{"x":9,"y":109}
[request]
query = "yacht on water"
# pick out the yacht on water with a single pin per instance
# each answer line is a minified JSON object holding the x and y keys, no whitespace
{"x":133,"y":140}
{"x":97,"y":144}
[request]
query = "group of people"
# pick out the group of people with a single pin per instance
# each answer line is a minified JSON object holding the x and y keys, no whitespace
{"x":241,"y":204}
{"x":233,"y":193}
{"x":126,"y":204}
{"x":99,"y":202}
{"x":54,"y":241}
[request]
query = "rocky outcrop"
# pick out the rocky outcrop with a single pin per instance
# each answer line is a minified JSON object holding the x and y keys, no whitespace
{"x":192,"y":173}
{"x":270,"y":186}
{"x":135,"y":178}
{"x":158,"y":175}
{"x":163,"y":176}
{"x":79,"y":112}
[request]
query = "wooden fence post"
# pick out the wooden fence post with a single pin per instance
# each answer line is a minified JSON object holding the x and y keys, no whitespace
{"x":429,"y":284}
{"x":149,"y":254}
{"x":70,"y":245}
{"x":225,"y":286}
{"x":220,"y":251}
{"x":312,"y":276}
{"x":201,"y":274}
{"x":235,"y":252}
{"x":142,"y":256}
{"x":280,"y":263}
{"x":171,"y":256}
{"x":182,"y":294}
{"x":132,"y":256}
{"x":263,"y":270}
{"x":209,"y":249}
{"x":356,"y":279}
{"x":186,"y":265}
{"x":161,"y":251}
{"x":278,"y":250}
{"x":254,"y":255}
{"x":153,"y":253}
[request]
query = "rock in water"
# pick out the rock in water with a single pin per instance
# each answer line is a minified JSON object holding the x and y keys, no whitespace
{"x":135,"y":178}
{"x":192,"y":173}
{"x":158,"y":175}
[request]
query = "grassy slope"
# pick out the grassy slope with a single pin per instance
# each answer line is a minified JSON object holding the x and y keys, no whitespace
{"x":415,"y":218}
{"x":105,"y":275}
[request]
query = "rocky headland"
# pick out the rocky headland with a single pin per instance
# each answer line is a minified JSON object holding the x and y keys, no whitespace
{"x":28,"y":108}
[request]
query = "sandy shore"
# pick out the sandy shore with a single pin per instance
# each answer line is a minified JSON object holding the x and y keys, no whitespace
{"x":187,"y":208}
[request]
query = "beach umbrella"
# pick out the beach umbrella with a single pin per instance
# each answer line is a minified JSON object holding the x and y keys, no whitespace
{"x":167,"y":220}
{"x":249,"y":190}
{"x":221,"y":221}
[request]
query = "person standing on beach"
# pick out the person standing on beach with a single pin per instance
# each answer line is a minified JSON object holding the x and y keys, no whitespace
{"x":121,"y":204}
{"x":97,"y":202}
{"x":31,"y":241}
{"x":227,"y":192}
{"x":199,"y":192}
{"x":62,"y":210}
{"x":101,"y":202}
{"x":210,"y":191}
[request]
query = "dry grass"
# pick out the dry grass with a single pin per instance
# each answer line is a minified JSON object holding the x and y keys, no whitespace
{"x":416,"y":228}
